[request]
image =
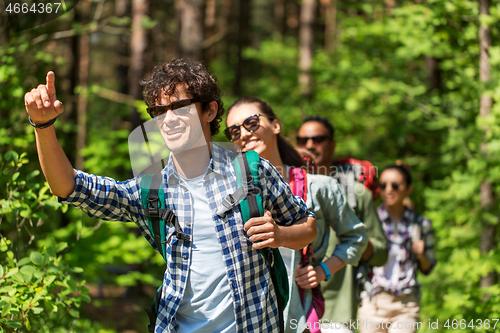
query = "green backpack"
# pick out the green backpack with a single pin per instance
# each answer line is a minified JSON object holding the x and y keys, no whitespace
{"x":247,"y":196}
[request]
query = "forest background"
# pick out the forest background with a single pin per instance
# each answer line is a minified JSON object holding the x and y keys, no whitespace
{"x":410,"y":80}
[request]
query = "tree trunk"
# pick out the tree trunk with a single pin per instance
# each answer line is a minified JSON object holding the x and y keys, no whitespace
{"x":280,"y":16}
{"x":330,"y":23}
{"x":486,"y":102}
{"x":307,"y":11}
{"x":243,"y":41}
{"x":190,"y":28}
{"x":225,"y":25}
{"x":209,"y":52}
{"x":434,"y":74}
{"x":83,"y":80}
{"x":138,"y":44}
{"x":122,"y":49}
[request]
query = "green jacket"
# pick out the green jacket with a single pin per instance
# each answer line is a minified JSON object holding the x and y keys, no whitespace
{"x":341,"y":292}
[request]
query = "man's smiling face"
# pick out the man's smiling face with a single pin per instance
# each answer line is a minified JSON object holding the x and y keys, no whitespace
{"x":181,"y":132}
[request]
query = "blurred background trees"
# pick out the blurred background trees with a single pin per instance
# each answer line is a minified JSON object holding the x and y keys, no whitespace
{"x":411,"y":80}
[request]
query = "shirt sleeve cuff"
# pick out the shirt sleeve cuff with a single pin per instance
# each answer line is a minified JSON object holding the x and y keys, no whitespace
{"x":80,"y":193}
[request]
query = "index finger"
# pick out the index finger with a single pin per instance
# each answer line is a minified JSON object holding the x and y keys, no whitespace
{"x":51,"y":78}
{"x":254,"y":221}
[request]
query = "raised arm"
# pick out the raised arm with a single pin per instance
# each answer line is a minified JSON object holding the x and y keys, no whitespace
{"x":42,"y":107}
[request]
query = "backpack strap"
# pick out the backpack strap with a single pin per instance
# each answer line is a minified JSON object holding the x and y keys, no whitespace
{"x":249,"y":168}
{"x":298,"y":182}
{"x":153,"y":201}
{"x":347,"y":184}
{"x":246,"y":167}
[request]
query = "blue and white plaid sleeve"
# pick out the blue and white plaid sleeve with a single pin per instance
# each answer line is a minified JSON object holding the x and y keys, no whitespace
{"x":107,"y":199}
{"x":277,"y":197}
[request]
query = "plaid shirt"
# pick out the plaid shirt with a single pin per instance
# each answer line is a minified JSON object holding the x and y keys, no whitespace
{"x":254,"y":301}
{"x":399,"y":246}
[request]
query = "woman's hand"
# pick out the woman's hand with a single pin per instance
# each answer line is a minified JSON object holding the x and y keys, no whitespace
{"x":418,"y":248}
{"x":309,"y":277}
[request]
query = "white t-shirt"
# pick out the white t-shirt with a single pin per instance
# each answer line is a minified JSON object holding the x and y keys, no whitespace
{"x":207,"y":305}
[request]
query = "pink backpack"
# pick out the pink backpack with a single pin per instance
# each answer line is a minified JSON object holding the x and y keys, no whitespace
{"x":298,"y":185}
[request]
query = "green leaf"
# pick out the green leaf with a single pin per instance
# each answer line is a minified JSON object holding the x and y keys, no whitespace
{"x":49,"y":280}
{"x":13,"y":324}
{"x":15,"y":176}
{"x":28,"y":272}
{"x":1,"y":271}
{"x":18,"y":277}
{"x":32,"y":174}
{"x":36,"y":258}
{"x":74,"y":313}
{"x":24,"y":261}
{"x":11,"y":155}
{"x":61,"y":246}
{"x":37,"y":310}
{"x":77,"y":270}
{"x":28,"y":325}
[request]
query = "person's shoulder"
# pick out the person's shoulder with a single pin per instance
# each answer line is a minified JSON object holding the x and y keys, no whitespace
{"x":324,"y":184}
{"x":362,"y":192}
{"x":322,"y":180}
{"x":419,"y":218}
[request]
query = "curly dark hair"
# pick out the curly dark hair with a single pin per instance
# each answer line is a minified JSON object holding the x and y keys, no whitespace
{"x":201,"y":84}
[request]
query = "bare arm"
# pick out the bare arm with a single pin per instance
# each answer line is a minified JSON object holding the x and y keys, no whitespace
{"x":42,"y":106}
{"x":265,"y":230}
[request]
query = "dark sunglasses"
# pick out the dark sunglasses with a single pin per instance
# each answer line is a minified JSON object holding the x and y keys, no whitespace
{"x":179,"y":108}
{"x":318,"y":139}
{"x":251,"y":124}
{"x":395,"y":186}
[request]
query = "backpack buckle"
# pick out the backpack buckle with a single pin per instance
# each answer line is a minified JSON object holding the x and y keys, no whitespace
{"x":153,"y":207}
{"x":153,"y":212}
{"x":168,"y":216}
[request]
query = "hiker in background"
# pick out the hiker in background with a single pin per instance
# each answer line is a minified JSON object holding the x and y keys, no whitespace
{"x":252,"y":125}
{"x":395,"y":297}
{"x":234,"y":293}
{"x":316,"y":141}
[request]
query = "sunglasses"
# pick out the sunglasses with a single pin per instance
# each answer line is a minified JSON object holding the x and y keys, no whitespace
{"x":317,"y":140}
{"x":179,"y":108}
{"x":395,"y":186}
{"x":251,"y":124}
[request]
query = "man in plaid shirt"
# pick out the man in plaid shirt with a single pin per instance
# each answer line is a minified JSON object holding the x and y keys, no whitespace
{"x":216,"y":280}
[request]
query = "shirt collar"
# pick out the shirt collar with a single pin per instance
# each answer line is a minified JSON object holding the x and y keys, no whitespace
{"x":384,"y":215}
{"x":219,"y":162}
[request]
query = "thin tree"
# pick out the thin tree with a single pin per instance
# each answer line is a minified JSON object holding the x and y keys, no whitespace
{"x":83,"y":80}
{"x":488,"y":233}
{"x":242,"y":42}
{"x":190,"y":28}
{"x":306,"y":45}
{"x":138,"y":45}
{"x":330,"y":10}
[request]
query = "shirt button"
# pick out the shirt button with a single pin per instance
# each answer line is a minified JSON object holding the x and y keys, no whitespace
{"x":184,"y":257}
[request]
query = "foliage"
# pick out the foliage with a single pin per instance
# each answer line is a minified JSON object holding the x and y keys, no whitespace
{"x":375,"y":86}
{"x":38,"y":290}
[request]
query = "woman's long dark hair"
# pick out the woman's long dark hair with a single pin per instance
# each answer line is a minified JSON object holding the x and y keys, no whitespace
{"x":288,"y":154}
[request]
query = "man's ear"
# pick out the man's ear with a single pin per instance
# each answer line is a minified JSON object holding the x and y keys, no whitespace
{"x":211,"y":112}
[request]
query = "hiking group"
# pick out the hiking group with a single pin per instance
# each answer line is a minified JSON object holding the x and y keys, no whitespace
{"x":289,"y":250}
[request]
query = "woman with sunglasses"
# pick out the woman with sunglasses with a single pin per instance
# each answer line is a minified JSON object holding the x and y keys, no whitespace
{"x":252,"y":125}
{"x":395,"y":296}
